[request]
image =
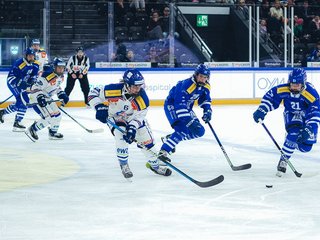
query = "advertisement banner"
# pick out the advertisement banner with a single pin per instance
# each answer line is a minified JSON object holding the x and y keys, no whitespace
{"x":224,"y":84}
{"x":264,"y":81}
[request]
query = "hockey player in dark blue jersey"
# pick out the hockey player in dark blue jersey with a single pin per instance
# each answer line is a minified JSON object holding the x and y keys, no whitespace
{"x":301,"y":113}
{"x":178,"y":108}
{"x":21,"y":76}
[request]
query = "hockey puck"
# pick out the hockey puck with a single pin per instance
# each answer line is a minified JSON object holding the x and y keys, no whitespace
{"x":269,"y":186}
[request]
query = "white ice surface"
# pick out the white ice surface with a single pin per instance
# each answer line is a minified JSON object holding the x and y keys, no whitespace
{"x":74,"y":190}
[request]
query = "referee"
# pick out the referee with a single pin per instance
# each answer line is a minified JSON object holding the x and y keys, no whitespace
{"x":78,"y":67}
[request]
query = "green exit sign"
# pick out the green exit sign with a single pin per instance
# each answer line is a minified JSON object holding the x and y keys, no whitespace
{"x":202,"y":20}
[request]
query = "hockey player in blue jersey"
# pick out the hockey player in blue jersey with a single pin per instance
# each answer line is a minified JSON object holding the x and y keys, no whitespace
{"x":301,"y":113}
{"x":21,"y":76}
{"x":127,"y":107}
{"x":178,"y":108}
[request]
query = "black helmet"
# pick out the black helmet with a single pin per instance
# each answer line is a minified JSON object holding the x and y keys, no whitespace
{"x":79,"y":49}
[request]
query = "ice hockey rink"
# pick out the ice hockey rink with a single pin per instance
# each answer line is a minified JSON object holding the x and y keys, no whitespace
{"x":74,"y":190}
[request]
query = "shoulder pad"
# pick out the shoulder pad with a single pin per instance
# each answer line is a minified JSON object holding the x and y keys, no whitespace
{"x":190,"y":85}
{"x":207,"y":86}
{"x":36,"y":62}
{"x":22,"y":64}
{"x":283,"y":88}
{"x":113,"y":90}
{"x":48,"y":75}
{"x":310,"y":93}
{"x":142,"y":101}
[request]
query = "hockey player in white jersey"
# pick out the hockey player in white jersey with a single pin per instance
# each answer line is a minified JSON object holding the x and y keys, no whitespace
{"x":41,"y":94}
{"x":127,"y":107}
{"x":41,"y":54}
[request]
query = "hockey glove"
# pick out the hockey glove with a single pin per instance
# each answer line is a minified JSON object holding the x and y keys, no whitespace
{"x":130,"y":135}
{"x":101,"y":112}
{"x":195,"y":127}
{"x":42,"y":100}
{"x":64,"y":97}
{"x":305,"y":134}
{"x":22,"y":85}
{"x":260,"y":113}
{"x":207,"y":114}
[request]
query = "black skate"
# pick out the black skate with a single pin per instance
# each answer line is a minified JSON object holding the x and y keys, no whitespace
{"x":55,"y":135}
{"x":17,"y":127}
{"x":31,"y":133}
{"x":1,"y":116}
{"x":126,"y":171}
{"x":164,"y":139}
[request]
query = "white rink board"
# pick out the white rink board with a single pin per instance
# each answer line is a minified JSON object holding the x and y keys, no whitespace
{"x":226,"y":84}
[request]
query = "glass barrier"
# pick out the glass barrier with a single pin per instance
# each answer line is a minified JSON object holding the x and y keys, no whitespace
{"x":223,"y":33}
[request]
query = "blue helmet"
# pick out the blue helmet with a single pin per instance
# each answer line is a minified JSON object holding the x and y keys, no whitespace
{"x":35,"y":41}
{"x":58,"y":62}
{"x":298,"y":75}
{"x":133,"y":77}
{"x":30,"y":51}
{"x":202,"y":69}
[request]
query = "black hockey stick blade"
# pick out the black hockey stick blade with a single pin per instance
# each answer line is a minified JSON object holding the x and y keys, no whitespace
{"x":297,"y":173}
{"x":206,"y":184}
{"x":241,"y":167}
{"x":210,"y":183}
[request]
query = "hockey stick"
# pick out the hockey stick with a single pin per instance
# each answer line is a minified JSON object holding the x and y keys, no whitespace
{"x":99,"y":130}
{"x":282,"y":154}
{"x":6,"y":99}
{"x":234,"y":168}
{"x":35,"y":104}
{"x":166,"y":160}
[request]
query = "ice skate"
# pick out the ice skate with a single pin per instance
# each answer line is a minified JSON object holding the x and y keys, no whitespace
{"x":17,"y":127}
{"x":126,"y":171}
{"x":282,"y":167}
{"x":55,"y":135}
{"x":31,"y":133}
{"x":161,"y":170}
{"x":163,"y":156}
{"x":1,"y":116}
{"x":164,"y":139}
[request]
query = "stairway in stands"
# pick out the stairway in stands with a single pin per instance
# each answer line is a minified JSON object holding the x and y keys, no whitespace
{"x":74,"y":24}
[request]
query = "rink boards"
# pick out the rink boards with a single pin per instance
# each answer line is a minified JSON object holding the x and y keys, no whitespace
{"x":228,"y":86}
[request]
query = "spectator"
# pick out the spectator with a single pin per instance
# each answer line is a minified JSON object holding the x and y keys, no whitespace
{"x":263,"y":30}
{"x":304,"y":11}
{"x":165,"y":23}
{"x":130,"y":56}
{"x":315,"y":54}
{"x":154,"y":30}
{"x":243,"y":9}
{"x":121,"y":53}
{"x":152,"y":56}
{"x":314,"y":29}
{"x":276,"y":11}
{"x":138,"y":5}
{"x":298,"y":29}
{"x":78,"y":67}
